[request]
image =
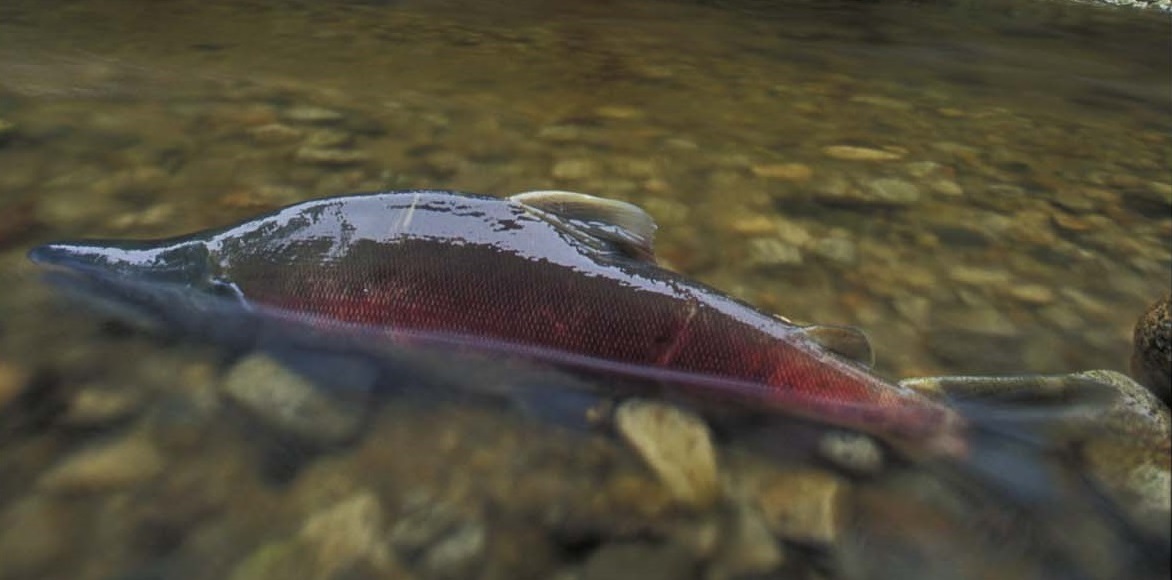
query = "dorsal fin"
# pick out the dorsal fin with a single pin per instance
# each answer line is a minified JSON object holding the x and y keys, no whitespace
{"x":845,"y":341}
{"x":621,"y":226}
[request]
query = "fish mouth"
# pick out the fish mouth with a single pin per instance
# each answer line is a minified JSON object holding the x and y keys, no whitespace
{"x":146,"y":284}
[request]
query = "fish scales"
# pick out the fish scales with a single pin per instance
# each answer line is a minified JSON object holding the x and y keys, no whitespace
{"x":506,"y":276}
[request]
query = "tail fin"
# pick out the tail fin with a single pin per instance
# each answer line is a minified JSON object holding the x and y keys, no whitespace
{"x":1025,"y":435}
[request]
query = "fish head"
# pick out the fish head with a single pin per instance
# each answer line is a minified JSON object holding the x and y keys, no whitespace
{"x":159,"y":285}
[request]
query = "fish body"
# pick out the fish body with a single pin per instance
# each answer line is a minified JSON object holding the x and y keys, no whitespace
{"x":558,"y":277}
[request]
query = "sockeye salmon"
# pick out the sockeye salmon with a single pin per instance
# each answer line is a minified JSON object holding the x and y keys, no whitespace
{"x":560,"y":277}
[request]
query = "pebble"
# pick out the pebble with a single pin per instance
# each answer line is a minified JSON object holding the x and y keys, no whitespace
{"x":797,"y":172}
{"x":1151,"y":358}
{"x":676,"y":445}
{"x":328,"y":139}
{"x":839,"y":249}
{"x":772,"y":252}
{"x":852,"y":153}
{"x":854,"y":452}
{"x":445,"y":543}
{"x":286,"y":401}
{"x":13,"y":380}
{"x":34,"y":533}
{"x":575,"y":169}
{"x":977,"y":276}
{"x":747,"y":547}
{"x":331,"y":157}
{"x":104,"y":467}
{"x":96,"y":405}
{"x":308,"y":114}
{"x":7,"y":129}
{"x":804,"y":505}
{"x":346,"y":533}
{"x":275,"y":134}
{"x":1035,"y":294}
{"x":618,"y":113}
{"x":891,"y":191}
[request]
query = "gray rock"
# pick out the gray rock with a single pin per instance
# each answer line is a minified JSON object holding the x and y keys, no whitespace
{"x":286,"y":401}
{"x":853,"y":452}
{"x":839,"y":249}
{"x":772,"y":252}
{"x":458,"y":554}
{"x":676,"y":445}
{"x":443,"y":542}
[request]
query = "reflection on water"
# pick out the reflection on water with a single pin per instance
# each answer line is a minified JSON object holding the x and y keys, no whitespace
{"x":982,"y":187}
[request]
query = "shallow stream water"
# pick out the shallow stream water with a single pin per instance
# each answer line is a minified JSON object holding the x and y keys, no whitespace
{"x":983,"y":187}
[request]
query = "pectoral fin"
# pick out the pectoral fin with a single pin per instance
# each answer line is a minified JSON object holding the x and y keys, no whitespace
{"x":604,"y":224}
{"x":845,"y":341}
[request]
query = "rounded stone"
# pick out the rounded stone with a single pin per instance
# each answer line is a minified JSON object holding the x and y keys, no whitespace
{"x":676,"y":445}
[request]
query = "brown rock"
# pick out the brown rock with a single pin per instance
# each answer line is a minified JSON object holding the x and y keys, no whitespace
{"x":676,"y":445}
{"x":114,"y":465}
{"x":1151,"y":358}
{"x":804,"y":506}
{"x":785,"y":171}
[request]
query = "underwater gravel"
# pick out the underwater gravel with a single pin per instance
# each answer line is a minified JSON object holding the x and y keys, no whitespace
{"x":965,"y":232}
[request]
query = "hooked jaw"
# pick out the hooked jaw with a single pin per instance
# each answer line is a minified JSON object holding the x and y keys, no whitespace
{"x":149,"y":262}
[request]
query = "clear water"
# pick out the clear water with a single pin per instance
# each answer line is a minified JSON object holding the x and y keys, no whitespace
{"x":981,"y":187}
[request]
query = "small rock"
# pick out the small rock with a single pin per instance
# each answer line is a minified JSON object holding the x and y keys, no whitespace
{"x":274,"y":134}
{"x":347,"y":533}
{"x":618,"y":113}
{"x":560,"y":133}
{"x":458,"y":554}
{"x":747,"y":547}
{"x":1132,"y":460}
{"x":274,"y":561}
{"x":676,"y":445}
{"x":891,"y":191}
{"x":854,"y":452}
{"x":639,"y":561}
{"x":838,"y":249}
{"x":105,"y":467}
{"x":308,"y":114}
{"x":288,"y":402}
{"x":443,"y":542}
{"x":94,"y":406}
{"x":804,"y":506}
{"x":575,"y":169}
{"x":328,"y":139}
{"x":7,"y":129}
{"x":1032,"y":294}
{"x":333,"y":157}
{"x":13,"y":380}
{"x":852,"y":153}
{"x":785,"y":171}
{"x":977,"y":276}
{"x":772,"y":252}
{"x":1151,"y":358}
{"x":34,"y":533}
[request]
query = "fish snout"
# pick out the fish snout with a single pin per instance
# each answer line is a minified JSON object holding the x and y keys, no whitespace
{"x":133,"y":261}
